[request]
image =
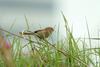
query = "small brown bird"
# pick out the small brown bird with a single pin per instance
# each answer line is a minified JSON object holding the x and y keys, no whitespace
{"x":42,"y":34}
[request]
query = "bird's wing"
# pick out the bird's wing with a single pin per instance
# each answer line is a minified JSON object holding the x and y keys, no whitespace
{"x":37,"y":31}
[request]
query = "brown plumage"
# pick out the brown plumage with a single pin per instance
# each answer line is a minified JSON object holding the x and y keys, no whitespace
{"x":42,"y":34}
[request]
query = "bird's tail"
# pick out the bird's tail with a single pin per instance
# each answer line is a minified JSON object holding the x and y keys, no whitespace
{"x":26,"y":33}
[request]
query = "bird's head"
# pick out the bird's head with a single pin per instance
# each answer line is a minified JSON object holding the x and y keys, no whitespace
{"x":49,"y":29}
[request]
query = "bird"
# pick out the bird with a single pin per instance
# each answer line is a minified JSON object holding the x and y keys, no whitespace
{"x":41,"y":33}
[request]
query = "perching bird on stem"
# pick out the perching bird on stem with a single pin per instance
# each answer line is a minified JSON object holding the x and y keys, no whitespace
{"x":42,"y":33}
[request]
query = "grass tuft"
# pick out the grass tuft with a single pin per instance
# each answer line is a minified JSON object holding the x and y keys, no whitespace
{"x":42,"y":53}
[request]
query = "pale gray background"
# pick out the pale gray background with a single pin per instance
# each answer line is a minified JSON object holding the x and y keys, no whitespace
{"x":47,"y":13}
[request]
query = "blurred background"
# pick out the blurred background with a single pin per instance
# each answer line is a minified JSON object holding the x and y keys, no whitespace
{"x":39,"y":14}
{"x":43,"y":13}
{"x":78,"y":12}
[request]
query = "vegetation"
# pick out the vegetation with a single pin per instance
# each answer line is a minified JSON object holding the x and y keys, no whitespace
{"x":42,"y":53}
